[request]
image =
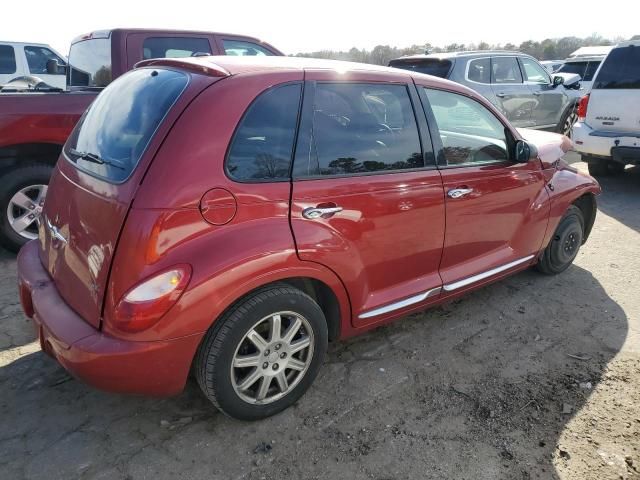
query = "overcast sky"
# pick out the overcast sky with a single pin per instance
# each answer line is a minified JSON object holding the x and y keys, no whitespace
{"x":303,"y":26}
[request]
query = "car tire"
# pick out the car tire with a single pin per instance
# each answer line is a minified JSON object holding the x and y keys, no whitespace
{"x":232,"y":365}
{"x":565,"y":243}
{"x":568,"y":119}
{"x":598,"y":168}
{"x":616,"y":168}
{"x":31,"y":180}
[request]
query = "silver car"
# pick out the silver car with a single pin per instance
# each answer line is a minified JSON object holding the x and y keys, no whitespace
{"x":516,"y":83}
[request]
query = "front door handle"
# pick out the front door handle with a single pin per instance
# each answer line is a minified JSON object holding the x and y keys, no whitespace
{"x":317,"y":212}
{"x":537,"y":94}
{"x":501,"y":95}
{"x":459,"y":192}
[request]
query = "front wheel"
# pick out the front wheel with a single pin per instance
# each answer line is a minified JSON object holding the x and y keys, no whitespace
{"x":565,"y":244}
{"x":569,"y":118}
{"x":264,"y":354}
{"x":24,"y":189}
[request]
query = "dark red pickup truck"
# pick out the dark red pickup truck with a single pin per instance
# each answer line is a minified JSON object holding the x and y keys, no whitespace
{"x":35,"y":124}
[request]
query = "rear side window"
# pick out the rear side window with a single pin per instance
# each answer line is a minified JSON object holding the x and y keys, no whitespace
{"x":113,"y":134}
{"x":360,"y":128}
{"x":37,"y":58}
{"x":262,"y":146}
{"x":243,"y":49}
{"x":174,"y":47}
{"x":505,"y":70}
{"x":430,"y":66}
{"x":479,"y":70}
{"x":621,"y":69}
{"x":7,"y":59}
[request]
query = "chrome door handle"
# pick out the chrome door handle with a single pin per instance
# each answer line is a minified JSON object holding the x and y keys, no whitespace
{"x":459,"y":192}
{"x":537,"y":94}
{"x":501,"y":95}
{"x":317,"y":212}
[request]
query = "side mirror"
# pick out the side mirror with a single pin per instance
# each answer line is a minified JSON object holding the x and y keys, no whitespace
{"x":523,"y":152}
{"x":54,"y":68}
{"x":557,"y":80}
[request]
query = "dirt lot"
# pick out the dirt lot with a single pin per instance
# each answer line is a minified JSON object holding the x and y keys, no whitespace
{"x":533,"y":377}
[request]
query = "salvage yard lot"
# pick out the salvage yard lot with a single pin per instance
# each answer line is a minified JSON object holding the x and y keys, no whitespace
{"x":531,"y":377}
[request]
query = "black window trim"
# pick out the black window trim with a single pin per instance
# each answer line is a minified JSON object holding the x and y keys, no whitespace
{"x":435,"y":131}
{"x":304,"y":140}
{"x":295,"y":136}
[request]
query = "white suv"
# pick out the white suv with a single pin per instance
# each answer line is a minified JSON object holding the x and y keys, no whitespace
{"x":607,"y":133}
{"x":21,"y":59}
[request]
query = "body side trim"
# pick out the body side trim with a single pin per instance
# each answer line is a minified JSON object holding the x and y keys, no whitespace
{"x":401,"y":304}
{"x":481,"y":276}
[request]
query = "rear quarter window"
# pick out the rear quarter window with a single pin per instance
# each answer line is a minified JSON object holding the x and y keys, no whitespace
{"x":621,"y":69}
{"x":111,"y":137}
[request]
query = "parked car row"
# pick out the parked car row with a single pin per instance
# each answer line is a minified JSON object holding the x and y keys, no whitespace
{"x":229,"y":216}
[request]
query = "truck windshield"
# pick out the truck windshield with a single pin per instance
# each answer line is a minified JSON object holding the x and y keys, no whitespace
{"x":90,"y":63}
{"x":113,"y":134}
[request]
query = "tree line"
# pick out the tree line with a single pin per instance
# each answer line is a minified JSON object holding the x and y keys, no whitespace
{"x":547,"y":49}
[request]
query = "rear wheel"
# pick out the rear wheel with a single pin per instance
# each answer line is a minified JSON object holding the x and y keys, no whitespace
{"x":565,"y":244}
{"x":263,"y":354}
{"x":23,"y":193}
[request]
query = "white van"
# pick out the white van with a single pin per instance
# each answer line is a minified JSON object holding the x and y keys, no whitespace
{"x":20,"y":59}
{"x":607,"y":133}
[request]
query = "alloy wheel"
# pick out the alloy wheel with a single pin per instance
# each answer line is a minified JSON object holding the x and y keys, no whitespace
{"x":272,"y":358}
{"x":572,"y":118}
{"x":24,"y":210}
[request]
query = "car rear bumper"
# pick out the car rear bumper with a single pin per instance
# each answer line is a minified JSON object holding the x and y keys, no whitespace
{"x":103,"y":361}
{"x":623,"y":147}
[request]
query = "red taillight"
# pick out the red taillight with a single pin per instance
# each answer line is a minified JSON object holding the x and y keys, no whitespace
{"x":147,"y":302}
{"x":582,"y":108}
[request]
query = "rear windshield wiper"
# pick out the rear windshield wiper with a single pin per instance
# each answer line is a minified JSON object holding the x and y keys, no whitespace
{"x":93,"y":158}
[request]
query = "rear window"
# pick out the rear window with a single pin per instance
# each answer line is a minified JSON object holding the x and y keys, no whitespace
{"x":621,"y":69}
{"x":430,"y":66}
{"x":116,"y":129}
{"x":174,"y":47}
{"x":90,"y":63}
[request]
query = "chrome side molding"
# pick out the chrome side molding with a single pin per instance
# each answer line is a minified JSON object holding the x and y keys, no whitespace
{"x":401,"y":304}
{"x":481,"y":276}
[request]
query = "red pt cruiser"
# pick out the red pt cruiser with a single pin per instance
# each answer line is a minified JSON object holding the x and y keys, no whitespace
{"x":230,"y":216}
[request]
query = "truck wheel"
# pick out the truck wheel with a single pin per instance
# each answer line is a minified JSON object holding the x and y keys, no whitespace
{"x":616,"y":168}
{"x":599,"y":168}
{"x":569,"y":117}
{"x":263,"y":354}
{"x":21,"y":200}
{"x":565,"y":243}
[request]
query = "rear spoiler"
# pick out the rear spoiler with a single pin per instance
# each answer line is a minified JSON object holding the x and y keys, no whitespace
{"x":192,"y":64}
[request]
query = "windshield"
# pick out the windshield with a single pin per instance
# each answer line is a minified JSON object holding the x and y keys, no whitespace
{"x":90,"y":63}
{"x":621,"y":69}
{"x":430,"y":66}
{"x":116,"y":129}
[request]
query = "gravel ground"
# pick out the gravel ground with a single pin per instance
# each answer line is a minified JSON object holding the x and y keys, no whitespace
{"x":532,"y":377}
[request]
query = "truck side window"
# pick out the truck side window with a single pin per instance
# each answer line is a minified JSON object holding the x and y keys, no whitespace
{"x":37,"y":58}
{"x":241,"y":49}
{"x":262,"y":146}
{"x":174,"y":47}
{"x":7,"y":59}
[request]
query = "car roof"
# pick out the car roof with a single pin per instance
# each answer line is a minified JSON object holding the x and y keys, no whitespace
{"x":590,"y":51}
{"x":467,"y":53}
{"x":160,"y":31}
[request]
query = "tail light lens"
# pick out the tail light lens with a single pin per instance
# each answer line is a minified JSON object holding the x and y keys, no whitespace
{"x":146,"y":303}
{"x":582,"y":108}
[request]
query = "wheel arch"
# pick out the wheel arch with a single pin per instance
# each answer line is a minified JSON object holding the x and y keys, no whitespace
{"x":587,"y":205}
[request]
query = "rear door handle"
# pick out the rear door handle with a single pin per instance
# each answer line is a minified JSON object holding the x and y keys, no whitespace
{"x":459,"y":192}
{"x":317,"y":212}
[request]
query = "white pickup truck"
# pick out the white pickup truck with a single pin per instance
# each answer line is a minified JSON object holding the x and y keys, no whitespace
{"x":29,"y":59}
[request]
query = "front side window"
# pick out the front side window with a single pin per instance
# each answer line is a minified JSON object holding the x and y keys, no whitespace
{"x":174,"y":47}
{"x":470,"y":133}
{"x":505,"y":70}
{"x":480,"y":70}
{"x":240,"y":48}
{"x":360,"y":128}
{"x":534,"y":72}
{"x":7,"y":59}
{"x":90,"y":63}
{"x":37,"y":58}
{"x":111,"y":137}
{"x":621,"y":69}
{"x":263,"y":143}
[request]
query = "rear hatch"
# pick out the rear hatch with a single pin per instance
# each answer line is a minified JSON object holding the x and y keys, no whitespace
{"x":96,"y":178}
{"x":614,"y":104}
{"x":438,"y":67}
